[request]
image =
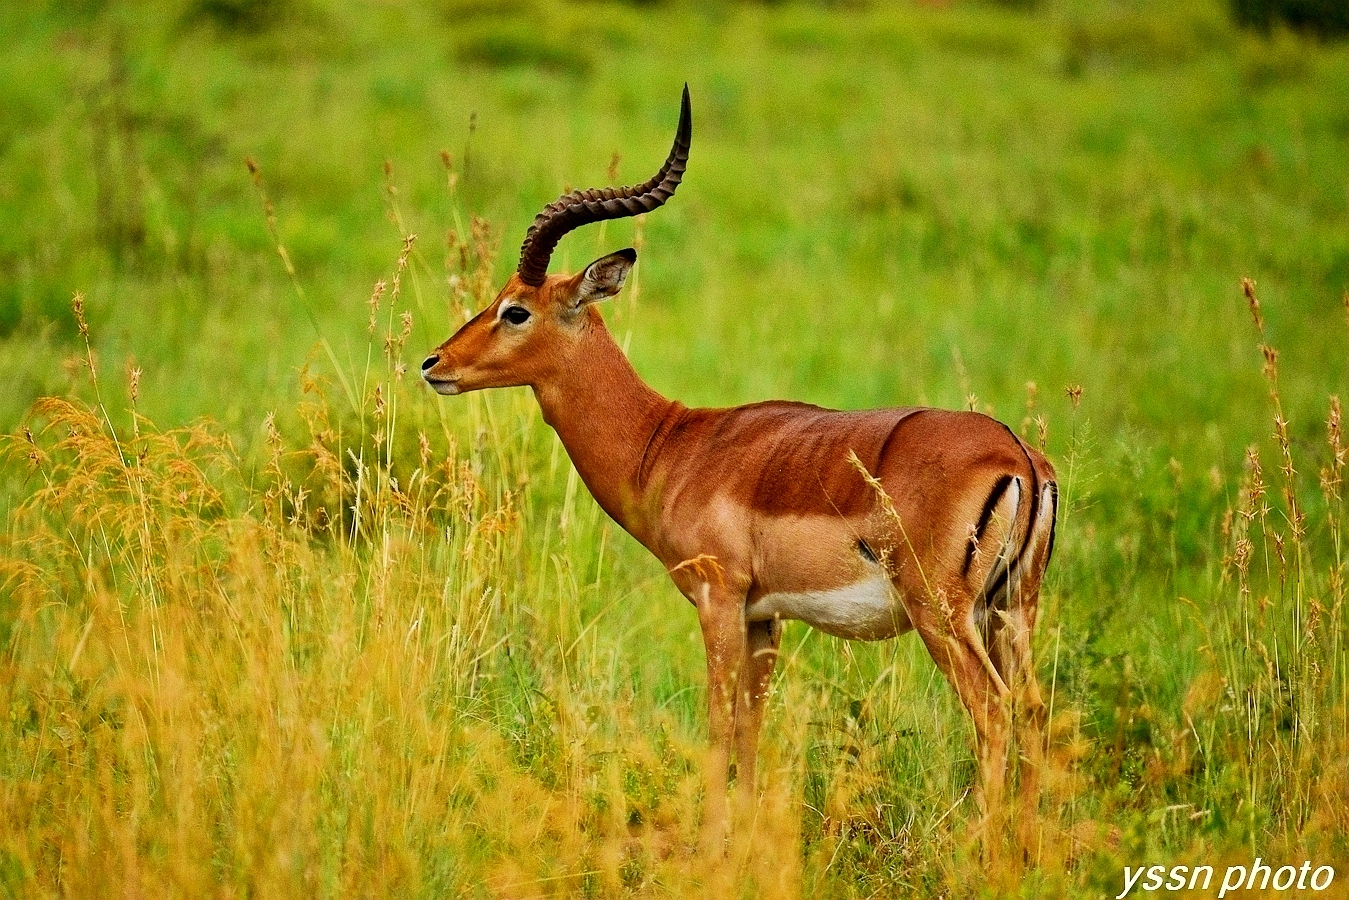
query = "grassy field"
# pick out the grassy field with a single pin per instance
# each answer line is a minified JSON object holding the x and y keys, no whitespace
{"x":276,"y":621}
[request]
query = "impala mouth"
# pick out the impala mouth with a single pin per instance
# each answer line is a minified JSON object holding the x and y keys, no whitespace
{"x":446,"y":386}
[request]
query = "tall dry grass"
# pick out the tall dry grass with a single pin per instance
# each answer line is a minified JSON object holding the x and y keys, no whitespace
{"x":335,"y":667}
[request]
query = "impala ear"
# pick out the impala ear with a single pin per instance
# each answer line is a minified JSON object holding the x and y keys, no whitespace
{"x":603,"y":278}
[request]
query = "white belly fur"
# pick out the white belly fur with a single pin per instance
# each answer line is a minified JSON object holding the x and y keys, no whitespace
{"x":867,"y":610}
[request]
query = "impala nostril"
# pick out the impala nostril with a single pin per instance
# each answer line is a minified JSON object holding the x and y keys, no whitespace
{"x":429,"y":362}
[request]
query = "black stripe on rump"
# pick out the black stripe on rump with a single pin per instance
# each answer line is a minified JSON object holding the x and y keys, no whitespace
{"x":1007,"y":570}
{"x":1030,"y":534}
{"x":999,"y":488}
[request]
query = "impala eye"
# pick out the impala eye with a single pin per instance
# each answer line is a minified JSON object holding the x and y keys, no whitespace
{"x":516,"y":315}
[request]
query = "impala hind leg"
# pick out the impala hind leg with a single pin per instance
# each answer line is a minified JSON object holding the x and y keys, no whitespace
{"x":956,"y":647}
{"x":1010,"y":650}
{"x":756,"y":671}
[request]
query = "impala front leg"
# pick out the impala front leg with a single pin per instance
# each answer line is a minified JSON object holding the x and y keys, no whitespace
{"x":721,"y":613}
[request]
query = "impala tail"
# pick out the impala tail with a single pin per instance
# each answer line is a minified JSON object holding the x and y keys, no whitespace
{"x":1030,"y":505}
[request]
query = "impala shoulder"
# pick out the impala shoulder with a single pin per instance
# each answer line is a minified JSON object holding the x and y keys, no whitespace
{"x":671,"y":422}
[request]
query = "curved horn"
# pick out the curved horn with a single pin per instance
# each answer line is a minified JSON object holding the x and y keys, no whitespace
{"x":579,"y":208}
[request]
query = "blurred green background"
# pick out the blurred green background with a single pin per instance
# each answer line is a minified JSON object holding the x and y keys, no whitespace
{"x":887,"y":204}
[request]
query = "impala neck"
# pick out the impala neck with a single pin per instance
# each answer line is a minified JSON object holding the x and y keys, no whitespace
{"x":605,"y":416}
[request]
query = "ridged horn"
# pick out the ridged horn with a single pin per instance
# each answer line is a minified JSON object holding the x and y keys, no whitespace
{"x":579,"y":208}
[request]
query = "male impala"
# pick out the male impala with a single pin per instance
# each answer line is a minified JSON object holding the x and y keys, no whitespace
{"x":862,"y":524}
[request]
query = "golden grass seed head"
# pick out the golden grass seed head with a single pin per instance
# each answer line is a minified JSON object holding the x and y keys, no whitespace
{"x":77,"y":304}
{"x":373,"y":303}
{"x":402,"y":264}
{"x":1335,"y":438}
{"x":134,"y":383}
{"x":1255,"y":484}
{"x":1271,"y":367}
{"x":1248,"y":287}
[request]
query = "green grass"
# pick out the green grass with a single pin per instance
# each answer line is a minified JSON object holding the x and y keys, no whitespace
{"x":239,"y":661}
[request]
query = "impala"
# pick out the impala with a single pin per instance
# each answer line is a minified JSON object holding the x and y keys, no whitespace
{"x":862,"y":524}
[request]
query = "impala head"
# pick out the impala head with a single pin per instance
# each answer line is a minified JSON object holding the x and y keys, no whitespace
{"x":536,"y":321}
